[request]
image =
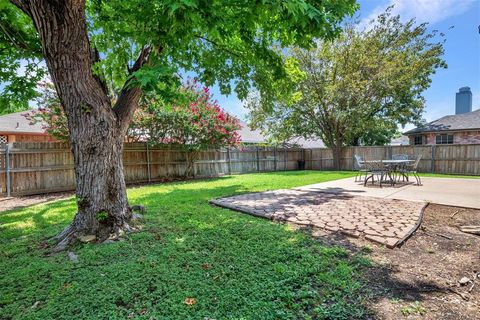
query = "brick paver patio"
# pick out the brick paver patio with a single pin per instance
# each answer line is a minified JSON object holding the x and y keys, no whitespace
{"x":386,"y":221}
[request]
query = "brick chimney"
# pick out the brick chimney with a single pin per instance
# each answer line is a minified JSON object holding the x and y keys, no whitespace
{"x":463,"y":100}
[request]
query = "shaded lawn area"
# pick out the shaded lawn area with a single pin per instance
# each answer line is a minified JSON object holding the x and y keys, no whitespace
{"x":235,"y":266}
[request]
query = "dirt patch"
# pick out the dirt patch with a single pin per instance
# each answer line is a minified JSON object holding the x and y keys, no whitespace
{"x":19,"y":202}
{"x":420,"y":279}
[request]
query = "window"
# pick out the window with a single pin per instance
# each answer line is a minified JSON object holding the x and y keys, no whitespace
{"x":3,"y":139}
{"x":418,"y":140}
{"x":444,"y":139}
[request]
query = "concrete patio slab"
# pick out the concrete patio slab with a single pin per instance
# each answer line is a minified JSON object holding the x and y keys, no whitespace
{"x":385,"y":221}
{"x":447,"y":191}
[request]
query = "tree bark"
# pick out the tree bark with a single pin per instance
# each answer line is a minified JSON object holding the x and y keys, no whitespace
{"x":101,"y":192}
{"x":336,"y":153}
{"x":191,"y":156}
{"x":97,"y":130}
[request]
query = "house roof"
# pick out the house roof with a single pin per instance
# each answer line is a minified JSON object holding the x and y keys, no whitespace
{"x":16,"y":123}
{"x":402,"y":140}
{"x":457,"y":122}
{"x":255,"y":136}
{"x":250,"y":136}
{"x":308,"y":143}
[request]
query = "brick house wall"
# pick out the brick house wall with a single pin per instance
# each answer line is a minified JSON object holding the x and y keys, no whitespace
{"x":460,"y":137}
{"x":430,"y":138}
{"x":467,"y":137}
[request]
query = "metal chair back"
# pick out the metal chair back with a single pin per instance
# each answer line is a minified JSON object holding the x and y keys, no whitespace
{"x":359,"y":162}
{"x":417,"y":161}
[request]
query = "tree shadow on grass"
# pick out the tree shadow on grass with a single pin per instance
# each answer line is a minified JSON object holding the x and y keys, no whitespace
{"x":37,"y":221}
{"x":380,"y":280}
{"x":248,"y":243}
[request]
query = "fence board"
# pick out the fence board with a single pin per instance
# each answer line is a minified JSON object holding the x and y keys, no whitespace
{"x":40,"y":167}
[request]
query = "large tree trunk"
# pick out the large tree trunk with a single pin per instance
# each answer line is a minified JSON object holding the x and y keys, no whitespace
{"x":96,"y":129}
{"x":336,"y":153}
{"x":101,"y":192}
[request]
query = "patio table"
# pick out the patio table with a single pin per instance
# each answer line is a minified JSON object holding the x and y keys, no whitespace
{"x":393,"y":166}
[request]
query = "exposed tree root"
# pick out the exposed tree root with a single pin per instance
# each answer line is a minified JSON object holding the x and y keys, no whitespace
{"x":72,"y":234}
{"x":86,"y":228}
{"x":65,"y":238}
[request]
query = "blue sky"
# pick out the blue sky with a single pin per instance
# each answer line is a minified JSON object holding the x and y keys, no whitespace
{"x":462,"y":50}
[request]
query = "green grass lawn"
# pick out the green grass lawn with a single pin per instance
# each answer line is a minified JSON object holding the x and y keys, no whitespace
{"x":235,"y":266}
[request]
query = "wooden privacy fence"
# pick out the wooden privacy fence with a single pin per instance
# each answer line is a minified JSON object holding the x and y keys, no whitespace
{"x":448,"y":159}
{"x":33,"y":168}
{"x":40,"y":167}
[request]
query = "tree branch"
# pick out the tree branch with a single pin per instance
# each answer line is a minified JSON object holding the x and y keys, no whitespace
{"x":22,"y":5}
{"x":221,"y":47}
{"x":130,"y":95}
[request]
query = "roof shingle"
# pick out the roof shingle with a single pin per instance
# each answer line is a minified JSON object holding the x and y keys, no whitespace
{"x":17,"y":123}
{"x":464,"y":121}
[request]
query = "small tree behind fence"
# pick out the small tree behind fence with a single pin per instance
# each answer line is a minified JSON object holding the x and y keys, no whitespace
{"x":39,"y":167}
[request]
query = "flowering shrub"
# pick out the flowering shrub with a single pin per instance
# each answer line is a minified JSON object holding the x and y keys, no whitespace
{"x":203,"y":124}
{"x":194,"y":121}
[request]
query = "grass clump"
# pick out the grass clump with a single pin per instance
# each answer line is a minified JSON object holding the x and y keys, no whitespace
{"x":414,"y":308}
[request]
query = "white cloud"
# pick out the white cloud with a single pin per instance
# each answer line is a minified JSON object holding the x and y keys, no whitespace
{"x":431,"y":11}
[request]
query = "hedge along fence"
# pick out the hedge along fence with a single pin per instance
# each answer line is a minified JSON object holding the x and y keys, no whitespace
{"x":28,"y":168}
{"x":40,"y":167}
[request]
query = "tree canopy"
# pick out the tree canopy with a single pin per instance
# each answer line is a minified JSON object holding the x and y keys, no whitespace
{"x":102,"y":56}
{"x":20,"y":56}
{"x":356,"y":88}
{"x":229,"y":42}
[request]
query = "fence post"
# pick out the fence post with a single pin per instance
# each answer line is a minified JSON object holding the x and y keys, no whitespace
{"x":275,"y":158}
{"x":194,"y":165}
{"x":311,"y":159}
{"x":285,"y":155}
{"x":432,"y":163}
{"x":149,"y":171}
{"x":321,"y":159}
{"x":258,"y":160}
{"x":354,"y":152}
{"x":229,"y":168}
{"x":304,"y":159}
{"x":7,"y":168}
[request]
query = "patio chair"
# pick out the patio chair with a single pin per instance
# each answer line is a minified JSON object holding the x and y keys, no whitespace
{"x":400,"y":167}
{"x":413,"y":169}
{"x":360,"y":166}
{"x":400,"y":157}
{"x":378,"y":169}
